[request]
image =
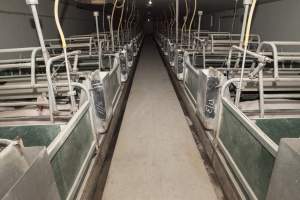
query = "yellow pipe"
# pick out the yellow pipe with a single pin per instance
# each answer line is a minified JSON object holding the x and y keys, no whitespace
{"x":249,"y":23}
{"x":246,"y":41}
{"x":58,"y":25}
{"x":64,"y":46}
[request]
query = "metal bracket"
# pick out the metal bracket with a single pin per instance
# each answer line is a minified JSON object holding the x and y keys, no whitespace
{"x":32,"y":2}
{"x":248,"y":2}
{"x":73,"y":93}
{"x":96,"y":14}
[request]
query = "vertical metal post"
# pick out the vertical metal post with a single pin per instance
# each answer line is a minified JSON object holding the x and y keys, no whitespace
{"x":177,"y":20}
{"x":200,"y":13}
{"x":110,"y":30}
{"x":219,"y":25}
{"x":37,"y":23}
{"x":247,"y":4}
{"x":261,"y":94}
{"x":96,"y":15}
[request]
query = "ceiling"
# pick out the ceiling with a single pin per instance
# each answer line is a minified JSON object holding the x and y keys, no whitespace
{"x":161,"y":7}
{"x":205,"y":5}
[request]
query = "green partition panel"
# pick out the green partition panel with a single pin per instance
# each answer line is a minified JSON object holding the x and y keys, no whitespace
{"x":192,"y":83}
{"x":69,"y":159}
{"x":280,"y":128}
{"x":252,"y":159}
{"x":32,"y":135}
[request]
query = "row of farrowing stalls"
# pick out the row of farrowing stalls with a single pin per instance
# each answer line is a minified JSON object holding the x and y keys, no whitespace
{"x":247,"y":100}
{"x":63,"y":105}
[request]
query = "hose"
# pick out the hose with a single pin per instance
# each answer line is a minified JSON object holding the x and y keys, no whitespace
{"x":112,"y":25}
{"x":121,"y":6}
{"x":129,"y":18}
{"x":120,"y":21}
{"x":246,"y":42}
{"x":103,"y":16}
{"x":192,"y":20}
{"x":234,"y":16}
{"x":188,"y":13}
{"x":182,"y":29}
{"x":174,"y":17}
{"x":170,"y":22}
{"x":124,"y":27}
{"x":133,"y":16}
{"x":185,"y":20}
{"x":64,"y":46}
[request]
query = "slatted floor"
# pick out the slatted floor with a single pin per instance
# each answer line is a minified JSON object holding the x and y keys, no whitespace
{"x":156,"y":157}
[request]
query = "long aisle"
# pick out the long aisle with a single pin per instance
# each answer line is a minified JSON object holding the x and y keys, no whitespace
{"x":156,"y":157}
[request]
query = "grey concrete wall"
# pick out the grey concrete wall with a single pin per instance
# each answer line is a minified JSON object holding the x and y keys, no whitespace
{"x":277,"y":20}
{"x":16,"y":28}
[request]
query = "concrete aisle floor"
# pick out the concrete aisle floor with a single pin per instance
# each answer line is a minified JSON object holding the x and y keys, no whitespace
{"x":156,"y":157}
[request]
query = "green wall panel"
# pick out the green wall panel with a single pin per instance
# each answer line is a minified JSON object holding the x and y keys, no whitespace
{"x":69,"y":159}
{"x":32,"y":135}
{"x":252,"y":159}
{"x":280,"y":128}
{"x":192,"y":83}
